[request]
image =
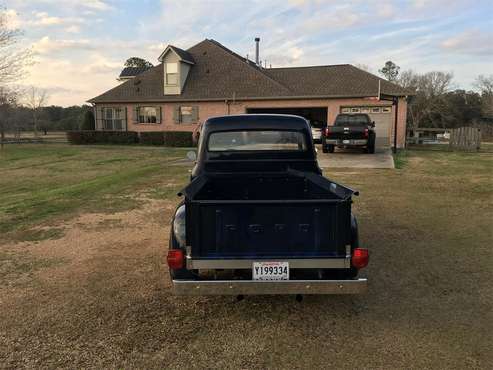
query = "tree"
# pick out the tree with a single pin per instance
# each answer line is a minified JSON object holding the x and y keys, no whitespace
{"x":428,"y":107}
{"x":485,"y":85}
{"x":88,"y":123}
{"x":8,"y":100}
{"x":12,"y":60}
{"x":138,"y":62}
{"x":390,"y":70}
{"x":35,"y":100}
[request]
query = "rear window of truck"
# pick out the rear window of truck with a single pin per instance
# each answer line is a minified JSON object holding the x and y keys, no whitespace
{"x":256,"y":141}
{"x":353,"y":120}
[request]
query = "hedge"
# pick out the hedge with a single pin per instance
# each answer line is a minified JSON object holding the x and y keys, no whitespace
{"x":169,"y":138}
{"x":102,"y":137}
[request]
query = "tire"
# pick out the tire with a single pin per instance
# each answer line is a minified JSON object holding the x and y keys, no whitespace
{"x":324,"y":148}
{"x":330,"y":148}
{"x":371,"y":148}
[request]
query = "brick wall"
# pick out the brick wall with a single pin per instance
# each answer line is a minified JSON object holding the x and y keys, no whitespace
{"x":211,"y":109}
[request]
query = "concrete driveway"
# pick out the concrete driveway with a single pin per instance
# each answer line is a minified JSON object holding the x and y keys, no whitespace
{"x":352,"y":158}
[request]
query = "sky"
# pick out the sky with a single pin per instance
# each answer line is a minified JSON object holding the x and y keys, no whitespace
{"x":79,"y":47}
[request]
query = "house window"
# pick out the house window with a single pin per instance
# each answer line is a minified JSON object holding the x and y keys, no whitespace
{"x":113,"y":119}
{"x":375,"y":110}
{"x":186,"y":114}
{"x":171,"y":73}
{"x":355,"y":110}
{"x":345,"y":110}
{"x":365,"y":109}
{"x":386,"y":109}
{"x":148,"y":115}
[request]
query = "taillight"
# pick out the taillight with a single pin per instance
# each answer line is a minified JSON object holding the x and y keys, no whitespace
{"x":360,"y":258}
{"x":175,"y":259}
{"x":366,"y":132}
{"x":326,"y":131}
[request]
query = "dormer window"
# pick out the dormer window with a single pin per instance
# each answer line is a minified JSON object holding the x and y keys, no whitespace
{"x":172,"y":74}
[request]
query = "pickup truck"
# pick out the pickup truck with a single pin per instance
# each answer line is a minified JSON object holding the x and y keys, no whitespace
{"x":349,"y":131}
{"x":258,"y":217}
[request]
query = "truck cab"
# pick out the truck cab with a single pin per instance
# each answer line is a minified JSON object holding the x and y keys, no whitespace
{"x":258,"y":217}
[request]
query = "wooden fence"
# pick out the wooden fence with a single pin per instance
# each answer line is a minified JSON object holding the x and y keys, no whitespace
{"x":465,"y":138}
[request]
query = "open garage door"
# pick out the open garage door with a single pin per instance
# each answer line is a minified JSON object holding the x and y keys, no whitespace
{"x":383,"y":118}
{"x":317,"y":116}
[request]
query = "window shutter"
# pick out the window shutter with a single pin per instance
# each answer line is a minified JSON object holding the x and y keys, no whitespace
{"x":159,"y":115}
{"x":176,"y":114}
{"x":126,"y":119}
{"x":136,"y":115}
{"x":195,"y":113}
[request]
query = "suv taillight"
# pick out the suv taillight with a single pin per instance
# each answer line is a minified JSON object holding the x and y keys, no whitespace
{"x":175,"y":259}
{"x":326,"y":131}
{"x":366,"y":132}
{"x":360,"y":258}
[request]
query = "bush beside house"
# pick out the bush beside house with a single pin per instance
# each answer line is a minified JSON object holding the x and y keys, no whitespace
{"x":170,"y":138}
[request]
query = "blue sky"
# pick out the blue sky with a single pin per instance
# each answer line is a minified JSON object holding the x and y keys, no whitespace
{"x":80,"y":46}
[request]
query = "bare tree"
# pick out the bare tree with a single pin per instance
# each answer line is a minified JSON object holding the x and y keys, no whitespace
{"x":35,"y":100}
{"x":485,"y":85}
{"x":428,"y":104}
{"x":12,"y":59}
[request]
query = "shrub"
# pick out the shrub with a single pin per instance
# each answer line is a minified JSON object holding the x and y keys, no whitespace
{"x":102,"y":137}
{"x":152,"y":138}
{"x":178,"y":139}
{"x":168,"y":138}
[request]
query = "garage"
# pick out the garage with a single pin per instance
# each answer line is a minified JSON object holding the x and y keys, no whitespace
{"x":317,"y":116}
{"x":383,"y":121}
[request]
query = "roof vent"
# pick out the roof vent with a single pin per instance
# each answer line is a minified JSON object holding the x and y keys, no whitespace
{"x":257,"y":41}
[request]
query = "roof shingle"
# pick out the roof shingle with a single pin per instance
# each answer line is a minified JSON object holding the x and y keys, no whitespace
{"x":218,"y":73}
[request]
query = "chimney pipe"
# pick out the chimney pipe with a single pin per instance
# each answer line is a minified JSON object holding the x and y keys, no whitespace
{"x":257,"y":40}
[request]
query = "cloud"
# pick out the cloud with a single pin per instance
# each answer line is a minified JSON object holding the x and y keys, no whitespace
{"x":48,"y":45}
{"x":73,"y":29}
{"x":475,"y":42}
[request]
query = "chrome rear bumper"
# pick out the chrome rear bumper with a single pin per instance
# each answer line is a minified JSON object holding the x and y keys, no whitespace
{"x":250,"y":287}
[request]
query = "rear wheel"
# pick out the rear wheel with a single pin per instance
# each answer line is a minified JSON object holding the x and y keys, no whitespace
{"x":330,"y":148}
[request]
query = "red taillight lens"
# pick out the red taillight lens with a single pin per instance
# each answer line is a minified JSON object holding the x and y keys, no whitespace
{"x":326,"y":131}
{"x":175,"y":259}
{"x":366,"y":132}
{"x":360,"y":258}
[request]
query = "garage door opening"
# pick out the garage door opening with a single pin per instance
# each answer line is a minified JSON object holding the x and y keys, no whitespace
{"x":316,"y":116}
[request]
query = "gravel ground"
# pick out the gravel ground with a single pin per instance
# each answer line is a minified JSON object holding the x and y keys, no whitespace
{"x":99,"y":296}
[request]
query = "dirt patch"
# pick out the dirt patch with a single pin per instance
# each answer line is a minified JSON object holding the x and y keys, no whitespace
{"x":99,"y":296}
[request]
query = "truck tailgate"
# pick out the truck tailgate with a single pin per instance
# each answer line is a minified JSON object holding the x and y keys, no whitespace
{"x":269,"y":228}
{"x":342,"y":133}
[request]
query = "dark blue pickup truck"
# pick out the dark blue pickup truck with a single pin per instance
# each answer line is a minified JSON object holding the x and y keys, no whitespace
{"x":258,"y":217}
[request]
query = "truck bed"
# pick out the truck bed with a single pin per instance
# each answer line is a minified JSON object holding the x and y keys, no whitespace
{"x":273,"y":216}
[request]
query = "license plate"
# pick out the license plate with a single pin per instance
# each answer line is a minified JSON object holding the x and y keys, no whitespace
{"x":346,"y":141}
{"x":270,"y":270}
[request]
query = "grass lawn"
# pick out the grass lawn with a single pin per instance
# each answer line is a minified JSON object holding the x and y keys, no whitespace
{"x":83,"y":283}
{"x":45,"y":183}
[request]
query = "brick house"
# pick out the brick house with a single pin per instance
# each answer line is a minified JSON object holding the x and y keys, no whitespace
{"x":207,"y":80}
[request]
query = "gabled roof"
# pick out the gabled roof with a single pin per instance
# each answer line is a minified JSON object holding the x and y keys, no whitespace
{"x":184,"y":56}
{"x":132,"y":71}
{"x":219,"y":74}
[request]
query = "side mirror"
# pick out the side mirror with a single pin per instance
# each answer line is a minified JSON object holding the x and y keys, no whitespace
{"x":372,"y":123}
{"x":192,"y":156}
